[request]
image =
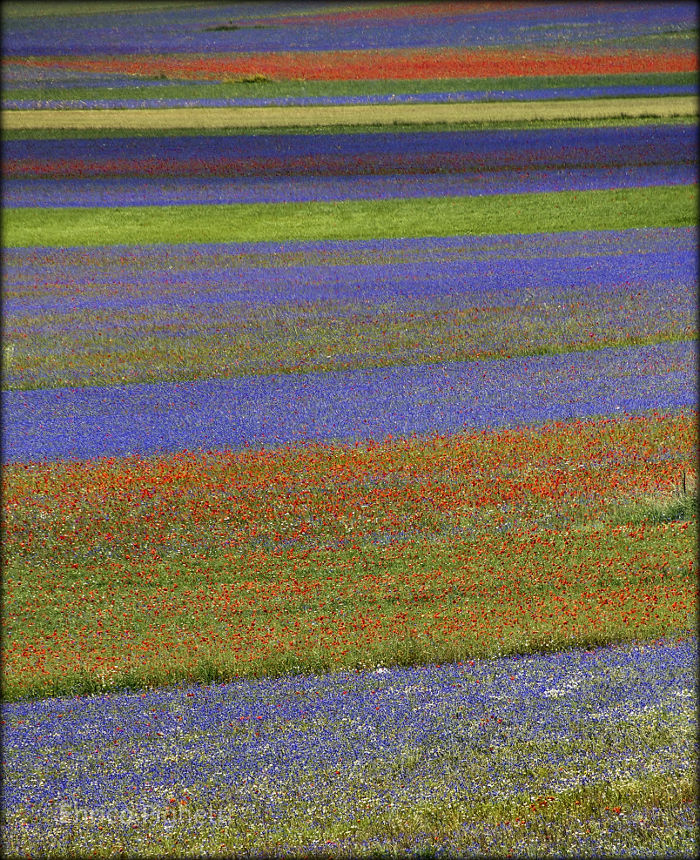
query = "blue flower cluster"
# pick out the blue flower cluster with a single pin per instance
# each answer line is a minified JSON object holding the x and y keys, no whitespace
{"x":374,"y":152}
{"x":338,"y":748}
{"x":123,"y":266}
{"x":198,"y":190}
{"x":475,"y":272}
{"x":82,"y":423}
{"x":265,"y":27}
{"x":153,"y":98}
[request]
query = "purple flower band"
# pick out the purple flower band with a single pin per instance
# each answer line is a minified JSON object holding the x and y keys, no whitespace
{"x":154,"y":100}
{"x":83,"y":423}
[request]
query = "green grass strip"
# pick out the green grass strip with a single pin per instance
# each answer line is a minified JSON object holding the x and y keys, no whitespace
{"x":14,"y":9}
{"x":403,"y":586}
{"x":301,"y":89}
{"x":395,"y":128}
{"x":657,"y":206}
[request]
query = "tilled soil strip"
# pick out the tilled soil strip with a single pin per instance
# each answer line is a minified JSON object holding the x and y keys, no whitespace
{"x":332,"y":115}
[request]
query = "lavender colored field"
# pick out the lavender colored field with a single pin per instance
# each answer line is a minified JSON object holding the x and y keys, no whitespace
{"x":329,"y":293}
{"x":154,"y":191}
{"x":177,"y":313}
{"x":431,"y":756}
{"x":128,"y":278}
{"x":271,"y":28}
{"x":82,"y":423}
{"x":37,"y":274}
{"x":155,"y":100}
{"x":292,"y":155}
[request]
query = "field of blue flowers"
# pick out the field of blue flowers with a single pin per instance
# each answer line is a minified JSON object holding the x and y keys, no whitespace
{"x":229,"y":462}
{"x":518,"y":754}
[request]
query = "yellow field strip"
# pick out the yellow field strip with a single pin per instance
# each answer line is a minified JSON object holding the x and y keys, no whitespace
{"x":330,"y":115}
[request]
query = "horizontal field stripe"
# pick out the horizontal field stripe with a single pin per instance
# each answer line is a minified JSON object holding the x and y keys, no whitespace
{"x":105,"y":192}
{"x":32,"y":274}
{"x":110,"y":316}
{"x":387,"y":153}
{"x":655,"y":206}
{"x":194,"y":170}
{"x":155,"y":100}
{"x":81,"y":423}
{"x":370,"y":64}
{"x":333,"y":115}
{"x":367,"y":153}
{"x":7,"y":134}
{"x":125,"y":87}
{"x":326,"y":717}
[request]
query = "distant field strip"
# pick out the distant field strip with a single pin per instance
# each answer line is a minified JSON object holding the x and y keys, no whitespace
{"x":655,"y":206}
{"x":280,"y":409}
{"x":338,"y":115}
{"x":109,"y":316}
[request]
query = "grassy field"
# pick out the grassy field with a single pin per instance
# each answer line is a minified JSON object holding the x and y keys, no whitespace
{"x":329,"y":116}
{"x":474,"y":642}
{"x":49,"y":8}
{"x":657,"y":206}
{"x":304,"y":89}
{"x":287,"y":342}
{"x":89,"y":628}
{"x":500,"y":542}
{"x":198,"y":131}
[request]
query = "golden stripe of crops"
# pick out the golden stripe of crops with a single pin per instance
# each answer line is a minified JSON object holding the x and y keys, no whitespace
{"x":332,"y":115}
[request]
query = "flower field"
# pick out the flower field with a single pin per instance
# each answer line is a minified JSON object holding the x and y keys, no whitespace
{"x":349,"y":460}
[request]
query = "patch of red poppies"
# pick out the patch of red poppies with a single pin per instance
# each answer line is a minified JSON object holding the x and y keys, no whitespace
{"x":375,"y":65}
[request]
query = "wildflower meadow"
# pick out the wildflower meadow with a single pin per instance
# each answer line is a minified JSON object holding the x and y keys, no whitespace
{"x":349,"y":429}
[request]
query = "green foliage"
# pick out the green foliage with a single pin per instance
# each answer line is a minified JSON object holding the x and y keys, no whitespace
{"x":201,"y":131}
{"x":260,"y":86}
{"x":657,"y":510}
{"x":394,"y":606}
{"x":617,"y":209}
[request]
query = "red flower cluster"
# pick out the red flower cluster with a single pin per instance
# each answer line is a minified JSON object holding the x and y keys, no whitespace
{"x":328,"y":555}
{"x":398,"y":64}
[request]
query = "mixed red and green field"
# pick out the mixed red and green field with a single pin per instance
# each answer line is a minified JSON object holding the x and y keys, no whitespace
{"x":349,"y":429}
